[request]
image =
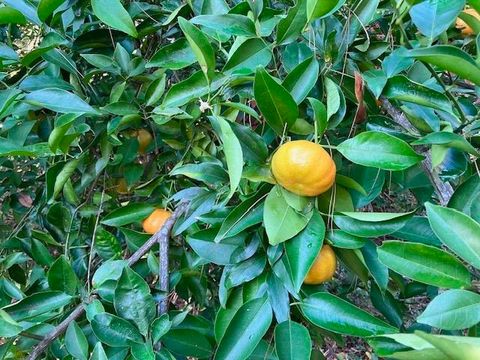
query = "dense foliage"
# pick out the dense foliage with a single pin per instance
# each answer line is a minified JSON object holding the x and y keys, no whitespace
{"x":110,"y":109}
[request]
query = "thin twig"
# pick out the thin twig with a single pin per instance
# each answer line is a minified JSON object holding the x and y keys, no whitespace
{"x":162,"y":237}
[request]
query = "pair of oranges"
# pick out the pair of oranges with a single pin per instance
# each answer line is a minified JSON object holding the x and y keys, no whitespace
{"x":301,"y":167}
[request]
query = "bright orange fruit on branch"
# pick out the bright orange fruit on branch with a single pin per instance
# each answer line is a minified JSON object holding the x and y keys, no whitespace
{"x":144,"y":139}
{"x":155,"y":220}
{"x":323,"y":268}
{"x":463,"y":26}
{"x":303,"y":168}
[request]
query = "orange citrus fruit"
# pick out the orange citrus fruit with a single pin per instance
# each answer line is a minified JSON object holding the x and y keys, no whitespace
{"x":463,"y":26}
{"x":144,"y":139}
{"x":303,"y":168}
{"x":155,"y":220}
{"x":323,"y":267}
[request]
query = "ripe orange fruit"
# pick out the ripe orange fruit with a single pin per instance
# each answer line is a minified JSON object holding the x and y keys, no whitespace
{"x":144,"y":139}
{"x":155,"y":220}
{"x":122,"y":187}
{"x":463,"y":26}
{"x":303,"y":168}
{"x":323,"y":268}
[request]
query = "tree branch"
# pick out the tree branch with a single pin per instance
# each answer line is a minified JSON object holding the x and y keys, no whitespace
{"x":162,"y":236}
{"x":443,"y":190}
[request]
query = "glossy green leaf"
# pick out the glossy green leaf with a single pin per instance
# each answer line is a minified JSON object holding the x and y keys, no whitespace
{"x":302,"y":250}
{"x":245,"y":331}
{"x":62,"y":277}
{"x":451,"y":348}
{"x":449,"y":58}
{"x":76,"y":342}
{"x":47,"y":7}
{"x":318,"y":9}
{"x":160,"y":327}
{"x":201,"y":47}
{"x":403,"y":89}
{"x":334,"y":314}
{"x":98,"y":353}
{"x":370,"y":224}
{"x":281,"y":221}
{"x":253,"y":145}
{"x":115,"y":331}
{"x":364,"y":12}
{"x":9,"y":15}
{"x":232,"y":150}
{"x":112,"y":13}
{"x":8,"y":326}
{"x":456,"y":230}
{"x":417,"y":229}
{"x":37,"y":304}
{"x":275,"y":102}
{"x":467,"y":198}
{"x":58,"y":100}
{"x":290,"y":27}
{"x":128,"y":214}
{"x":231,"y":24}
{"x":448,"y":139}
{"x":379,"y":150}
{"x":250,"y":54}
{"x":188,"y":342}
{"x":342,"y":239}
{"x":174,"y":56}
{"x":292,"y":341}
{"x":452,"y":310}
{"x":302,"y":79}
{"x":433,"y":17}
{"x":133,"y":301}
{"x":425,"y":264}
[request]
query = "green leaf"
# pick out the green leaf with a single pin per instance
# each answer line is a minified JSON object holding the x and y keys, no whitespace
{"x":362,"y":15}
{"x":243,"y":216}
{"x":408,"y":259}
{"x":63,"y":176}
{"x":245,"y":59}
{"x":245,"y":271}
{"x":128,"y":214}
{"x":467,"y":198}
{"x":292,"y":341}
{"x":453,"y":350}
{"x":232,"y":150}
{"x":319,"y":115}
{"x":115,"y":331}
{"x":47,"y":7}
{"x":9,"y":15}
{"x":333,"y":97}
{"x":112,"y":13}
{"x":133,"y":301}
{"x":62,"y":277}
{"x":274,"y":101}
{"x":417,"y":229}
{"x":230,"y":24}
{"x":371,"y":224}
{"x":190,"y":89}
{"x":448,"y":139}
{"x":188,"y":342}
{"x":107,"y":245}
{"x":221,"y":253}
{"x":281,"y":221}
{"x":449,"y":58}
{"x":59,"y":100}
{"x":377,"y":269}
{"x":175,"y":56}
{"x":76,"y":342}
{"x":8,"y":326}
{"x":201,"y":47}
{"x":379,"y":150}
{"x":403,"y":89}
{"x":253,"y":145}
{"x":160,"y":327}
{"x":302,"y":250}
{"x":452,"y":310}
{"x":456,"y":230}
{"x":345,"y":240}
{"x":334,"y":314}
{"x":98,"y":353}
{"x":433,"y":17}
{"x":302,"y":79}
{"x":37,"y":304}
{"x":245,"y":331}
{"x":290,"y":27}
{"x":109,"y":270}
{"x":318,"y":9}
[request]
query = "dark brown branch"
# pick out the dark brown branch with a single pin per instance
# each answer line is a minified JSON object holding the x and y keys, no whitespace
{"x":443,"y":190}
{"x":162,"y":237}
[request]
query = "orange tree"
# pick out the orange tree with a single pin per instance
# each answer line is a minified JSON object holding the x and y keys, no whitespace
{"x":113,"y":110}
